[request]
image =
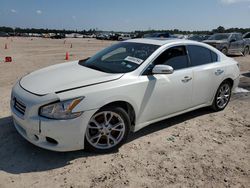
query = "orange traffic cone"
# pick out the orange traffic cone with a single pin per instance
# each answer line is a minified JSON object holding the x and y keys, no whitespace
{"x":67,"y":56}
{"x":8,"y":59}
{"x":5,"y":46}
{"x":71,"y":45}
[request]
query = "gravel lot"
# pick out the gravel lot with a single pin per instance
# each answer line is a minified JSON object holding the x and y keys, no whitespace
{"x":197,"y":149}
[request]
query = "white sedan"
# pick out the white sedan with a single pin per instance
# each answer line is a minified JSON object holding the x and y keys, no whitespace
{"x":95,"y":103}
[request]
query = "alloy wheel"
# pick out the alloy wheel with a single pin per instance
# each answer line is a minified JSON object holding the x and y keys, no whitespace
{"x":223,"y":95}
{"x":246,"y":51}
{"x":105,"y":130}
{"x":224,"y":51}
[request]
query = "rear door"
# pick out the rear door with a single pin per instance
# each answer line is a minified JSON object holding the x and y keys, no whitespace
{"x":233,"y":44}
{"x":207,"y":73}
{"x":240,"y":43}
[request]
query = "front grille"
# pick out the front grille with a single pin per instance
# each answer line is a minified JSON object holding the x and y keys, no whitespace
{"x":19,"y":106}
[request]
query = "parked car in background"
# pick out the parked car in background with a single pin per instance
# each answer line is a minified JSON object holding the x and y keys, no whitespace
{"x":180,"y":36}
{"x":124,"y":37}
{"x":58,"y":36}
{"x":90,"y":35}
{"x":159,"y":35}
{"x":114,"y":36}
{"x":198,"y":38}
{"x":229,"y":43}
{"x":4,"y":34}
{"x":246,"y":37}
{"x":102,"y":36}
{"x":123,"y":88}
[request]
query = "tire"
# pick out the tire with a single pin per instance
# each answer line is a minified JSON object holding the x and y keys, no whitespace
{"x":222,"y":97}
{"x":103,"y":135}
{"x":246,"y":51}
{"x":224,"y":51}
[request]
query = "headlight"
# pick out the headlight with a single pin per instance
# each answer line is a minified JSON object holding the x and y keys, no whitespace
{"x":61,"y":110}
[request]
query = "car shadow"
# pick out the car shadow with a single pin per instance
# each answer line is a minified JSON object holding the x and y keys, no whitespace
{"x":245,"y":81}
{"x":155,"y":127}
{"x":235,"y":55}
{"x":19,"y":156}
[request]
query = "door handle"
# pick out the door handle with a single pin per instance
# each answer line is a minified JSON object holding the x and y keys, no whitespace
{"x":186,"y":79}
{"x":218,"y":72}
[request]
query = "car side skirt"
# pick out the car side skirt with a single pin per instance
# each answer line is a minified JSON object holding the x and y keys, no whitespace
{"x":142,"y":125}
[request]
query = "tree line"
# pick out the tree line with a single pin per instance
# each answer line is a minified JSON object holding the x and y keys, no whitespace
{"x":41,"y":30}
{"x":220,"y":29}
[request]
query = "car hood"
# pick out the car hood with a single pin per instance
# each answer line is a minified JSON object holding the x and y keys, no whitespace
{"x":63,"y":77}
{"x":214,"y":41}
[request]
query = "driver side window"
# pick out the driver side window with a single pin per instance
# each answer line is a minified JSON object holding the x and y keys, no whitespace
{"x":175,"y":57}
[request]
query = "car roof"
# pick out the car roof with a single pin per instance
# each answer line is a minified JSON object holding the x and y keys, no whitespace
{"x":227,"y":33}
{"x":175,"y":41}
{"x":161,"y":41}
{"x":155,"y":41}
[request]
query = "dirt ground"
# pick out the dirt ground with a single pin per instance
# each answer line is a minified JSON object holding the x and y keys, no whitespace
{"x":197,"y":149}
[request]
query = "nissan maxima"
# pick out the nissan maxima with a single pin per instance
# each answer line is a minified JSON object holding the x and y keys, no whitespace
{"x":96,"y":102}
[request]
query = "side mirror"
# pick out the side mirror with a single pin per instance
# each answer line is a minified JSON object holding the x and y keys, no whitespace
{"x":162,"y":69}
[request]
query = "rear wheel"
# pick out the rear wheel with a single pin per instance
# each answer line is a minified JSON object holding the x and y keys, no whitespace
{"x":222,"y":96}
{"x":107,"y":130}
{"x":224,"y":51}
{"x":246,"y":51}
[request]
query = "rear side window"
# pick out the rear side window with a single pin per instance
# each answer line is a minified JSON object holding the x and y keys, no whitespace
{"x":238,"y":37}
{"x":247,"y":36}
{"x":214,"y":56}
{"x":200,"y":55}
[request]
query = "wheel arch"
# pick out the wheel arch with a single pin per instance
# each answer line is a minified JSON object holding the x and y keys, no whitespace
{"x":214,"y":105}
{"x":230,"y":80}
{"x":126,"y":106}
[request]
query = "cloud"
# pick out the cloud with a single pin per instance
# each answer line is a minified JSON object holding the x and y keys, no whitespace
{"x":39,"y":12}
{"x":13,"y":11}
{"x":233,"y":1}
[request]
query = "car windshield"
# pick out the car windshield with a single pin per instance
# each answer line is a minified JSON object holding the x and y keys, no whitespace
{"x":120,"y":58}
{"x":219,"y":37}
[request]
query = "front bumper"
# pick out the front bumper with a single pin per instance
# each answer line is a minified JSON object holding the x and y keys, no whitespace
{"x":55,"y":135}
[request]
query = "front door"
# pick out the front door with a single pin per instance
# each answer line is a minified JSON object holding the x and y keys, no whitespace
{"x":167,"y":93}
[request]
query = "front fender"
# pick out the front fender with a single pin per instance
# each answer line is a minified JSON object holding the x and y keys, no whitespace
{"x":98,"y":96}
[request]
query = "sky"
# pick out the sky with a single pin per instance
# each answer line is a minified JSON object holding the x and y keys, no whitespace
{"x":125,"y":15}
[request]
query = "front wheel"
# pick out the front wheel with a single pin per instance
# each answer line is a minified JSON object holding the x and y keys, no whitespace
{"x":222,"y":96}
{"x":107,"y":130}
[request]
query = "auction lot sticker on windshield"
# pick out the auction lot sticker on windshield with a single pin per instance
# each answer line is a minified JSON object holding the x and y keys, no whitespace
{"x":134,"y":60}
